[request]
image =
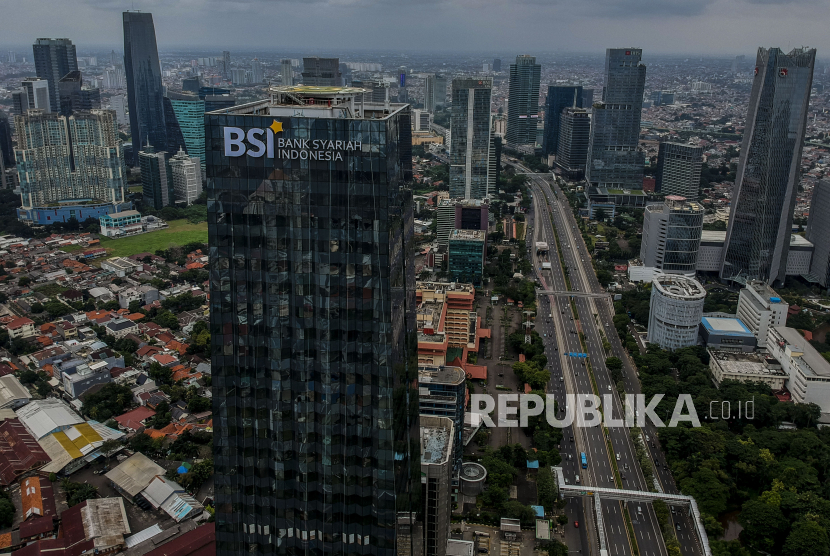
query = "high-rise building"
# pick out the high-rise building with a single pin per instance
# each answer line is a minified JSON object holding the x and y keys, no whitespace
{"x":559,"y":97}
{"x":145,"y":93}
{"x":675,"y":310}
{"x":766,"y":185}
{"x":118,"y":103}
{"x":287,"y":72}
{"x":378,"y":90}
{"x":54,"y":58}
{"x":12,"y":57}
{"x":156,"y":178}
{"x":186,"y":122}
{"x":114,"y":79}
{"x":257,"y":73}
{"x":321,"y":72}
{"x":239,"y":76}
{"x":37,"y":94}
{"x":574,"y":136}
{"x":63,"y":158}
{"x":470,"y":130}
{"x":523,"y":101}
{"x":226,"y":64}
{"x":497,"y":65}
{"x":587,"y":98}
{"x":335,"y":460}
{"x":74,"y":97}
{"x":435,"y":92}
{"x":467,"y":250}
{"x":421,"y":120}
{"x":460,"y":214}
{"x":437,"y":435}
{"x":614,"y":158}
{"x":191,"y":85}
{"x":20,"y":102}
{"x":818,"y":233}
{"x":671,"y":236}
{"x":187,"y":177}
{"x":761,"y":309}
{"x":443,"y":393}
{"x":6,"y":146}
{"x":678,"y":169}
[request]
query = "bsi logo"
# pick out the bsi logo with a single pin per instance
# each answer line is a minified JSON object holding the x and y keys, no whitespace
{"x":258,"y":142}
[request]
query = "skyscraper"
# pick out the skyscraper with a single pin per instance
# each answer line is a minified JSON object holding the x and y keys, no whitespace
{"x":37,"y":94}
{"x":6,"y":146}
{"x":497,"y":65}
{"x":226,"y":64}
{"x":257,"y":73}
{"x":185,"y":120}
{"x":119,"y":104}
{"x":316,"y":438}
{"x":523,"y":101}
{"x":671,"y":236}
{"x":145,"y":94}
{"x":559,"y":98}
{"x":287,"y":71}
{"x":54,"y":58}
{"x":186,"y":172}
{"x":74,"y":97}
{"x":574,"y":136}
{"x":614,"y":159}
{"x":435,"y":92}
{"x":818,"y":233}
{"x":470,"y":130}
{"x":678,"y":169}
{"x":760,"y":220}
{"x":322,"y":72}
{"x":156,"y":178}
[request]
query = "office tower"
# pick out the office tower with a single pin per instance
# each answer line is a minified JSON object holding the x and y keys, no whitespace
{"x":156,"y":178}
{"x":63,"y":158}
{"x":761,"y":309}
{"x":257,"y":73}
{"x":185,"y":119}
{"x":445,"y":224}
{"x":497,"y":65}
{"x":421,"y":120}
{"x":671,"y":236}
{"x":587,"y":98}
{"x":346,"y":72}
{"x":324,"y":352}
{"x":226,"y":64}
{"x":12,"y":57}
{"x":321,"y":72}
{"x":437,"y":435}
{"x":191,"y":84}
{"x":559,"y":98}
{"x":523,"y":101}
{"x":493,"y":161}
{"x":614,"y":159}
{"x":443,"y":393}
{"x":239,"y":76}
{"x":118,"y":103}
{"x":486,"y":67}
{"x":675,"y":310}
{"x":467,"y":250}
{"x":187,"y":177}
{"x":6,"y":146}
{"x":287,"y":72}
{"x":20,"y":102}
{"x":73,"y":97}
{"x":114,"y":79}
{"x":470,"y":129}
{"x":54,"y":58}
{"x":761,"y":215}
{"x":378,"y":90}
{"x":656,"y":97}
{"x":37,"y":94}
{"x":145,"y":93}
{"x":218,"y":102}
{"x":435,"y":92}
{"x":574,"y":136}
{"x":460,"y":214}
{"x":678,"y":169}
{"x":818,"y":233}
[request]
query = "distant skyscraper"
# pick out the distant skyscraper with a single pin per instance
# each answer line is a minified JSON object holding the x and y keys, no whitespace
{"x":435,"y":92}
{"x":614,"y":159}
{"x":523,"y":101}
{"x":587,"y":98}
{"x":324,"y":72}
{"x":574,"y":135}
{"x":191,"y":84}
{"x":156,"y":178}
{"x":37,"y":94}
{"x":239,"y":76}
{"x":226,"y":64}
{"x":114,"y":78}
{"x":257,"y":73}
{"x":118,"y":103}
{"x":470,"y":130}
{"x":186,"y":123}
{"x":187,"y":178}
{"x":287,"y":71}
{"x":63,"y":158}
{"x":74,"y":97}
{"x":12,"y":57}
{"x":766,"y":185}
{"x":54,"y":58}
{"x":678,"y":170}
{"x":818,"y":233}
{"x":497,"y":65}
{"x":145,"y":93}
{"x":559,"y":98}
{"x":6,"y":146}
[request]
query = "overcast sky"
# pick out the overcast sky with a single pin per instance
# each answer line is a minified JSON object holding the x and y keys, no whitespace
{"x":717,"y":27}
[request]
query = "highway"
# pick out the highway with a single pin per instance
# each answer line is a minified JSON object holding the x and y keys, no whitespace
{"x":561,"y":334}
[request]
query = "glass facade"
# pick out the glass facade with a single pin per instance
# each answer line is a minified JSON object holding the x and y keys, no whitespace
{"x":760,"y":221}
{"x":316,"y":440}
{"x":470,"y":133}
{"x":467,"y":249}
{"x":559,"y":98}
{"x":145,"y":94}
{"x":523,"y":101}
{"x":678,"y":169}
{"x":671,"y":236}
{"x":54,"y":58}
{"x":818,"y":233}
{"x":574,"y":136}
{"x":188,"y":123}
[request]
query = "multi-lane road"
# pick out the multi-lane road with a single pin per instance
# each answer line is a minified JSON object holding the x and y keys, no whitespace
{"x":561,"y":330}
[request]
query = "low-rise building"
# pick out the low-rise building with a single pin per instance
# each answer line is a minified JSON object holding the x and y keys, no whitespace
{"x":44,"y":417}
{"x":121,"y":327}
{"x":85,"y":377}
{"x":760,"y":308}
{"x":134,"y":474}
{"x":19,"y":451}
{"x":21,"y":327}
{"x":73,"y":448}
{"x":120,"y":223}
{"x":808,"y":372}
{"x":12,"y":393}
{"x":120,"y":266}
{"x":726,"y":334}
{"x":746,"y":367}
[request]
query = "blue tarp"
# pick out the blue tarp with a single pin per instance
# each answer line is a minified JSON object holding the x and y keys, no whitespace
{"x":532,"y":464}
{"x":540,"y":511}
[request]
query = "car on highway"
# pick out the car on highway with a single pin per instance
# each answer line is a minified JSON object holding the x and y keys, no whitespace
{"x":576,"y":524}
{"x":618,"y":457}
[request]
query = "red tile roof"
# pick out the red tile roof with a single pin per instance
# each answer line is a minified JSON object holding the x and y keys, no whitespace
{"x":132,"y":419}
{"x":19,"y":323}
{"x":19,"y":451}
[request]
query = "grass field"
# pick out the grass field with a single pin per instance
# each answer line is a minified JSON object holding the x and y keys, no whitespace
{"x":180,"y":232}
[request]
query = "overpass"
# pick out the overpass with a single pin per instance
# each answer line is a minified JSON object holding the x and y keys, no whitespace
{"x":573,"y":293}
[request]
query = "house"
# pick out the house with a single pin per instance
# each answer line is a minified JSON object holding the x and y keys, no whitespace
{"x":120,"y":327}
{"x":12,"y":393}
{"x":19,"y":451}
{"x":144,"y":294}
{"x":85,"y":377}
{"x":120,"y":266}
{"x":147,"y":352}
{"x":165,"y":360}
{"x":101,"y":295}
{"x":21,"y":327}
{"x":134,"y":420}
{"x":71,"y":296}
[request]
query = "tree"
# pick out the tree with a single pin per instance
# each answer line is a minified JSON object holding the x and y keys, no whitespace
{"x":198,"y":404}
{"x":78,"y":492}
{"x":110,"y":401}
{"x":24,"y":281}
{"x":37,"y":307}
{"x":161,"y":375}
{"x":553,"y":547}
{"x":614,"y":363}
{"x":6,"y":512}
{"x":807,"y":538}
{"x":516,"y":510}
{"x":600,"y":215}
{"x":166,"y":319}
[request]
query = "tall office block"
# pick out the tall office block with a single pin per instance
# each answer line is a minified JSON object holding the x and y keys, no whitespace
{"x":6,"y":145}
{"x":559,"y":98}
{"x":60,"y":158}
{"x":523,"y":101}
{"x":74,"y":97}
{"x":614,"y":159}
{"x":191,"y":85}
{"x":37,"y":95}
{"x":321,"y":72}
{"x":257,"y":73}
{"x":678,"y":169}
{"x":470,"y":130}
{"x":761,"y":217}
{"x":467,"y":250}
{"x":186,"y":121}
{"x":587,"y":98}
{"x":574,"y":137}
{"x":818,"y":233}
{"x":443,"y":393}
{"x":675,"y":310}
{"x":312,"y":304}
{"x":287,"y":72}
{"x":497,"y":65}
{"x":445,"y":220}
{"x":186,"y":172}
{"x":54,"y":58}
{"x":226,"y":64}
{"x":156,"y":178}
{"x":437,"y":436}
{"x":239,"y":76}
{"x":435,"y":92}
{"x":460,"y":214}
{"x":145,"y":94}
{"x":118,"y":103}
{"x":671,"y":236}
{"x":20,"y":102}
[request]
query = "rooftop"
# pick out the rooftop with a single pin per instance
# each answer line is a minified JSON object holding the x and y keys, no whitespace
{"x":734,"y":327}
{"x":436,"y":439}
{"x":135,"y":473}
{"x":810,"y":355}
{"x":748,"y":364}
{"x":441,"y":375}
{"x":674,"y":285}
{"x":473,"y":235}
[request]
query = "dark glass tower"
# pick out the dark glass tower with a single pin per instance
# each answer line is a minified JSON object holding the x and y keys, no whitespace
{"x":574,"y":135}
{"x":614,"y":160}
{"x":316,"y":441}
{"x":523,"y":101}
{"x":559,"y":98}
{"x":144,"y":89}
{"x":54,"y":58}
{"x":470,"y":176}
{"x":760,"y":221}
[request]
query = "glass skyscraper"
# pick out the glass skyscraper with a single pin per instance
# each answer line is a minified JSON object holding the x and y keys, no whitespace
{"x":559,"y":98}
{"x":523,"y":101}
{"x":678,"y":169}
{"x":614,"y":160}
{"x":470,"y":132}
{"x":54,"y":58}
{"x":766,"y":185}
{"x":185,"y":119}
{"x":574,"y":136}
{"x":145,"y":94}
{"x":316,"y":438}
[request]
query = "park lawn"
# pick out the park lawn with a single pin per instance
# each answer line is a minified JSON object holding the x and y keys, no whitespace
{"x":180,"y":232}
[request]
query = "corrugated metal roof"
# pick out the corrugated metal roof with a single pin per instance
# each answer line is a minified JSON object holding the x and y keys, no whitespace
{"x":41,"y":417}
{"x":11,"y":390}
{"x":142,"y":536}
{"x":135,"y":473}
